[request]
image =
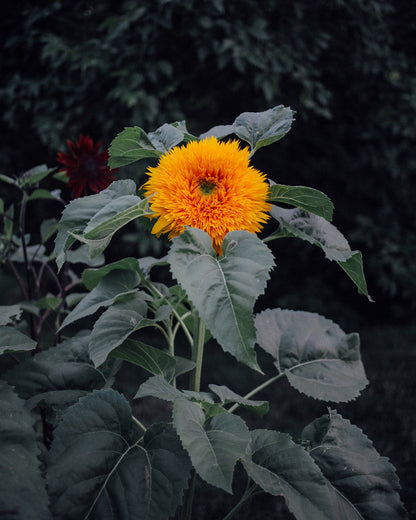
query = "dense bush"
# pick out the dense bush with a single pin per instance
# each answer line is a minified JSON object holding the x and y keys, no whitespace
{"x":345,"y":66}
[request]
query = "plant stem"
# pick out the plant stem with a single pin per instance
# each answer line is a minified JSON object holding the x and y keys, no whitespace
{"x":257,"y":389}
{"x":247,"y":495}
{"x":139,"y":424}
{"x":195,"y":385}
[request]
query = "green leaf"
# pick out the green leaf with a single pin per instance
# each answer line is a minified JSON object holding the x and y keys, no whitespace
{"x":57,"y":376}
{"x":45,"y":194}
{"x":308,"y":199}
{"x":224,"y":289}
{"x":227,"y":396}
{"x":166,"y":137}
{"x":9,"y":313}
{"x":115,"y":285}
{"x":116,"y":214}
{"x":98,"y":469}
{"x":314,"y":353}
{"x":8,"y":180}
{"x":49,"y":302}
{"x":81,"y":255}
{"x":158,"y":387}
{"x":116,"y":324}
{"x":79,"y":212}
{"x":12,"y":340}
{"x":35,"y":253}
{"x":48,"y":228}
{"x":318,"y":231}
{"x":91,"y":277}
{"x":365,"y":485}
{"x":282,"y":468}
{"x":257,"y":128}
{"x":152,"y":359}
{"x":34,"y":175}
{"x":131,"y":145}
{"x":22,"y":488}
{"x":215,"y":450}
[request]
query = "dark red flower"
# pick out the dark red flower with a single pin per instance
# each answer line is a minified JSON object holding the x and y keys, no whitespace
{"x":86,"y":166}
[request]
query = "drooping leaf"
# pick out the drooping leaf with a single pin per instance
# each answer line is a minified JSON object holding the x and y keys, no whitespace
{"x":318,"y":231}
{"x":224,"y":289}
{"x":282,"y":468}
{"x":115,"y":285}
{"x":308,"y":199}
{"x":99,"y":469}
{"x":213,"y":450}
{"x":131,"y":145}
{"x":79,"y":212}
{"x":91,"y":277}
{"x":314,"y":353}
{"x":9,"y":313}
{"x":116,"y":324}
{"x":366,"y":485}
{"x":227,"y":396}
{"x":257,"y":128}
{"x":22,"y":489}
{"x":13,"y":340}
{"x":58,"y":376}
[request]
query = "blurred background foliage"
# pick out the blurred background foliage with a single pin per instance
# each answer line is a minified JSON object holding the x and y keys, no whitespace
{"x":346,"y":67}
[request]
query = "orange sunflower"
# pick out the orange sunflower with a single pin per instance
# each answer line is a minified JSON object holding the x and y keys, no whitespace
{"x":208,"y":185}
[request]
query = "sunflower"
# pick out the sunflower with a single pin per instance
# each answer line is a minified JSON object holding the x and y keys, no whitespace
{"x":208,"y":185}
{"x":86,"y":166}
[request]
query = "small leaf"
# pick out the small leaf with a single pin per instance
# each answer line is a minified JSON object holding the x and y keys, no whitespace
{"x":224,"y":289}
{"x":364,"y":481}
{"x":316,"y":356}
{"x":166,"y":137}
{"x":22,"y":488}
{"x":117,"y":284}
{"x":91,"y":277}
{"x":49,"y":302}
{"x":9,"y":313}
{"x":152,"y":359}
{"x":282,"y":468}
{"x":318,"y":231}
{"x":158,"y":387}
{"x":81,"y":255}
{"x":12,"y":340}
{"x":48,"y":228}
{"x":308,"y":199}
{"x":227,"y":396}
{"x":131,"y":145}
{"x":34,"y":175}
{"x":45,"y":194}
{"x":116,"y":324}
{"x":215,"y":450}
{"x":99,"y":469}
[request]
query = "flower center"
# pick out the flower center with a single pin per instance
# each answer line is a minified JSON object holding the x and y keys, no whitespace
{"x":206,"y":187}
{"x":89,"y":164}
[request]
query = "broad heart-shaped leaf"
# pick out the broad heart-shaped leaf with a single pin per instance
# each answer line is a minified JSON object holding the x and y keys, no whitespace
{"x":316,"y":356}
{"x":116,"y":284}
{"x":131,"y":145}
{"x":308,"y":199}
{"x":102,"y":226}
{"x":22,"y":489}
{"x":116,"y":324}
{"x":58,"y":376}
{"x":214,"y":450}
{"x":365,"y":484}
{"x":78,"y":213}
{"x":318,"y":231}
{"x":98,"y":469}
{"x":227,"y":396}
{"x":257,"y":128}
{"x":224,"y":289}
{"x":282,"y":468}
{"x":14,"y":340}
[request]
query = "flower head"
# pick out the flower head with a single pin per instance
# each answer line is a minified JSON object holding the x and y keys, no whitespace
{"x":208,"y":185}
{"x":86,"y":166}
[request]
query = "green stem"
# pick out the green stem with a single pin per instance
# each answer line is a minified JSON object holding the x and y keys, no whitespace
{"x":247,"y":495}
{"x":257,"y":389}
{"x":139,"y":424}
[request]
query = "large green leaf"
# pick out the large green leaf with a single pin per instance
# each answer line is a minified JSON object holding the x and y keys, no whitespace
{"x":224,"y":288}
{"x":318,"y":231}
{"x":257,"y":128}
{"x":282,"y":468}
{"x":99,"y":469}
{"x":129,"y":146}
{"x":316,"y":356}
{"x":214,"y":450}
{"x":308,"y":199}
{"x":91,"y":277}
{"x":116,"y":324}
{"x":14,"y":340}
{"x":115,"y":285}
{"x":79,"y":212}
{"x":365,"y":485}
{"x":22,"y":489}
{"x":58,"y":376}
